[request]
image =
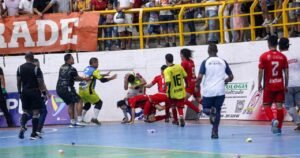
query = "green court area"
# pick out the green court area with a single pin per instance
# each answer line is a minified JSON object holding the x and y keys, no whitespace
{"x":83,"y":151}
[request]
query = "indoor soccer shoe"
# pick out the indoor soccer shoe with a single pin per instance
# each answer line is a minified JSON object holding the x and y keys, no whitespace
{"x":181,"y":122}
{"x":95,"y":121}
{"x":275,"y":126}
{"x":35,"y":136}
{"x":214,"y":135}
{"x":212,"y":116}
{"x":21,"y":133}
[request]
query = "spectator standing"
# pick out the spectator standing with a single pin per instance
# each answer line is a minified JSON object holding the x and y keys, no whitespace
{"x":152,"y":28}
{"x":126,"y":31}
{"x":63,"y":6}
{"x":2,"y":9}
{"x":3,"y":105}
{"x":40,"y":5}
{"x":109,"y":30}
{"x":211,"y":12}
{"x":189,"y":14}
{"x":239,"y":22}
{"x":12,"y":7}
{"x":26,"y":7}
{"x":167,"y":15}
{"x":82,"y":5}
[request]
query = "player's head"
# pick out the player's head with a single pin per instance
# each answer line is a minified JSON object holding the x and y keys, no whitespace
{"x":69,"y":59}
{"x":169,"y":59}
{"x":212,"y":49}
{"x":186,"y":54}
{"x":36,"y":62}
{"x":29,"y":57}
{"x":284,"y":44}
{"x":272,"y":42}
{"x":131,"y":78}
{"x":110,"y":6}
{"x":162,"y":68}
{"x":94,"y":62}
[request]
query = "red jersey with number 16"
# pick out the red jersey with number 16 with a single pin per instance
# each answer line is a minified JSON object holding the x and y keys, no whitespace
{"x":273,"y":63}
{"x":189,"y":67}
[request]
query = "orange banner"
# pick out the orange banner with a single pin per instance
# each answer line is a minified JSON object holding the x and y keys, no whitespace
{"x":52,"y":33}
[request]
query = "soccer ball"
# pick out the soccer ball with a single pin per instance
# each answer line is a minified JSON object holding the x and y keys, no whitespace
{"x":119,"y":18}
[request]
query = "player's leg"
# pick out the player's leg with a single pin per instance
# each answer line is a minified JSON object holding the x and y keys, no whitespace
{"x":4,"y":109}
{"x":180,"y":106}
{"x":26,"y":116}
{"x":218,"y":102}
{"x":267,"y":103}
{"x":290,"y":105}
{"x":297,"y":101}
{"x":85,"y":109}
{"x":279,"y":99}
{"x":36,"y":106}
{"x":97,"y":108}
{"x":42,"y":119}
{"x":123,"y":106}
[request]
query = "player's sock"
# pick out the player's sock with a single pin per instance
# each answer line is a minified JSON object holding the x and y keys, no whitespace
{"x":180,"y":111}
{"x":96,"y":113}
{"x":174,"y":112}
{"x":217,"y":119}
{"x":269,"y":112}
{"x":125,"y":114}
{"x":35,"y":123}
{"x":192,"y":106}
{"x":280,"y":117}
{"x":160,"y":117}
{"x":79,"y":119}
{"x":24,"y":119}
{"x":83,"y":113}
{"x":72,"y":121}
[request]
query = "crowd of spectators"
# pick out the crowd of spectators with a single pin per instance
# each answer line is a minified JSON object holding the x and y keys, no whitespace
{"x":233,"y":26}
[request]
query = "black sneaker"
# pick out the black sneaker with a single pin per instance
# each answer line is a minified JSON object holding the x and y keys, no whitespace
{"x":214,"y":135}
{"x":35,"y":136}
{"x":181,"y":122}
{"x":21,"y":133}
{"x":297,"y":128}
{"x":95,"y":121}
{"x":212,"y":116}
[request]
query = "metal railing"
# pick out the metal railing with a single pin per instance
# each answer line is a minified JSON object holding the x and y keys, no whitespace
{"x":180,"y":21}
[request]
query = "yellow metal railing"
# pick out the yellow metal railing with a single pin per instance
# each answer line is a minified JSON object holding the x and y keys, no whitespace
{"x":220,"y":18}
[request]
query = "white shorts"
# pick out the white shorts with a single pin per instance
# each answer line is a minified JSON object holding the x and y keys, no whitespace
{"x":128,"y":20}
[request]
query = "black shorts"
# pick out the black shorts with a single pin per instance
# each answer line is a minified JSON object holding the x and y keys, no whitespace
{"x":68,"y":95}
{"x":31,"y":99}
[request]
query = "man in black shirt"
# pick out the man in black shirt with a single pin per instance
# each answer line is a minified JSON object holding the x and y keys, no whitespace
{"x":30,"y":85}
{"x":3,"y":95}
{"x":40,"y":5}
{"x":66,"y":90}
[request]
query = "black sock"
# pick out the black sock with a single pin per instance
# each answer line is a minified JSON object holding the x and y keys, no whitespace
{"x":24,"y":119}
{"x":35,"y":122}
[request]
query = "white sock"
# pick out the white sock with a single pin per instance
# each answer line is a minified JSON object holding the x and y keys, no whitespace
{"x":83,"y":114}
{"x":96,"y":113}
{"x":73,"y":121}
{"x":79,"y":119}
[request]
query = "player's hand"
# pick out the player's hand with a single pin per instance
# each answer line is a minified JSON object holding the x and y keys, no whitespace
{"x":114,"y":76}
{"x":108,"y":73}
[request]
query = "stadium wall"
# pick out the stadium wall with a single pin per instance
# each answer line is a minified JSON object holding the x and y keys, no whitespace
{"x":242,"y":98}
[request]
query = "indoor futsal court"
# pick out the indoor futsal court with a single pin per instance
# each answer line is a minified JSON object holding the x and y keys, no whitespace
{"x":157,"y":140}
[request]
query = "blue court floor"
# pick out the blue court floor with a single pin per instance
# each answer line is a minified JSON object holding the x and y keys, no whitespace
{"x":117,"y":140}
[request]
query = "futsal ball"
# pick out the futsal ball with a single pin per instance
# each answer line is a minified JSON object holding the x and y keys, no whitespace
{"x":61,"y":151}
{"x":119,"y":17}
{"x":249,"y":140}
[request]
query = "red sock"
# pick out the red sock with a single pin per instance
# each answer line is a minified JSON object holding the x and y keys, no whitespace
{"x":147,"y":108}
{"x":174,"y":112}
{"x":269,"y":112}
{"x":180,"y":111}
{"x":192,"y":106}
{"x":280,"y":117}
{"x":160,"y":117}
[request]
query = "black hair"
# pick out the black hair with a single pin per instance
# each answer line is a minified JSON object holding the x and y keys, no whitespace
{"x":93,"y":60}
{"x":36,"y":60}
{"x":169,"y":58}
{"x":186,"y":53}
{"x":273,"y":41}
{"x":212,"y":48}
{"x":163,"y":67}
{"x":284,"y":43}
{"x":67,"y":57}
{"x":29,"y":56}
{"x":131,"y":78}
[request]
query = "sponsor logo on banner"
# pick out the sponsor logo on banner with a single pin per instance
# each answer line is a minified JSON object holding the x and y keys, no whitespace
{"x":54,"y":32}
{"x":57,"y":110}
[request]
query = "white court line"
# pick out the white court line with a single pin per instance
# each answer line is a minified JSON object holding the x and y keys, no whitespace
{"x":47,"y":130}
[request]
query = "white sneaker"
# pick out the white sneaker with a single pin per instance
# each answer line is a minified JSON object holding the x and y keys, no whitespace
{"x":275,"y":21}
{"x":258,"y":38}
{"x":199,"y":15}
{"x":266,"y":22}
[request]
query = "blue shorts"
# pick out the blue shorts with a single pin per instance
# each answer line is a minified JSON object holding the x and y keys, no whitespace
{"x":153,"y":29}
{"x":167,"y":18}
{"x":216,"y":102}
{"x":292,"y":97}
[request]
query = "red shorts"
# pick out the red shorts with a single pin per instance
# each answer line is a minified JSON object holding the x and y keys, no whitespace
{"x":158,"y":98}
{"x":177,"y":102}
{"x":191,"y":89}
{"x":138,"y":101}
{"x":270,"y":97}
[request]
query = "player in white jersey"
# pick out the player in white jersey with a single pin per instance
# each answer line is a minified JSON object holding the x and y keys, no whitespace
{"x":292,"y":96}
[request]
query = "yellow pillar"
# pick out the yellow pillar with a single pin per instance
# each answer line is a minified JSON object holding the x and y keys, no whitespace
{"x":180,"y":25}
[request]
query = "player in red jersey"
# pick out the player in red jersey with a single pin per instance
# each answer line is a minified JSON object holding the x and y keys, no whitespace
{"x":272,"y":65}
{"x":188,"y":65}
{"x":160,"y":81}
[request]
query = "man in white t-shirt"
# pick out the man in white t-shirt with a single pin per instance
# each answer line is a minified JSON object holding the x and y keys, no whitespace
{"x":125,"y":31}
{"x":26,"y":7}
{"x":217,"y":74}
{"x":292,"y":96}
{"x":212,"y":11}
{"x":12,"y":7}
